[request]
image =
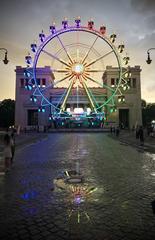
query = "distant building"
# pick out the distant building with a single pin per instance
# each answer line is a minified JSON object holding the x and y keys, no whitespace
{"x":26,"y":113}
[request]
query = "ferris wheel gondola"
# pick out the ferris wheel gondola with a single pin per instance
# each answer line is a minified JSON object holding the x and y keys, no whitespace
{"x":78,"y":56}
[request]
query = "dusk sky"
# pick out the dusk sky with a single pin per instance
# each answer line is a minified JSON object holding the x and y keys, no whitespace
{"x":132,"y":20}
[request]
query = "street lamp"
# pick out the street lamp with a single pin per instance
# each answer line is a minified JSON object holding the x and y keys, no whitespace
{"x":149,"y":60}
{"x":6,"y":57}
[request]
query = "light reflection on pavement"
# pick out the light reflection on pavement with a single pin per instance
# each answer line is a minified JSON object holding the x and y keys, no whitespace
{"x":119,"y":208}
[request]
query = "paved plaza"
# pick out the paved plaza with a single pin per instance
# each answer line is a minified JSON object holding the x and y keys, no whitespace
{"x":115,"y":199}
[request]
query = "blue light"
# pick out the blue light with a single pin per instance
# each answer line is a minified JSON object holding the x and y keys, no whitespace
{"x":42,"y":36}
{"x":29,"y":87}
{"x":33,"y":47}
{"x":26,"y":73}
{"x":33,"y":99}
{"x":52,"y":29}
{"x":28,"y":59}
{"x":65,"y":23}
{"x":29,"y":195}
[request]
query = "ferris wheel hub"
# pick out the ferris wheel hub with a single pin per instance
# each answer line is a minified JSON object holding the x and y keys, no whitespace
{"x":78,"y":69}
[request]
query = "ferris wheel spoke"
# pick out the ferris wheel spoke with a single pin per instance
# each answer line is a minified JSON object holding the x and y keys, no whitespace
{"x":89,"y":50}
{"x":94,"y":70}
{"x":63,"y":79}
{"x":88,"y":94}
{"x":62,"y":108}
{"x":56,"y":58}
{"x":93,"y":97}
{"x":124,"y":80}
{"x":109,"y":88}
{"x":96,"y":60}
{"x":102,"y":85}
{"x":67,"y":53}
{"x":45,"y":88}
{"x":118,"y":93}
{"x":93,"y":80}
{"x":60,"y":70}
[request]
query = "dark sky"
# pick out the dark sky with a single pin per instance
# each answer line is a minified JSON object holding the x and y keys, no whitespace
{"x":132,"y":20}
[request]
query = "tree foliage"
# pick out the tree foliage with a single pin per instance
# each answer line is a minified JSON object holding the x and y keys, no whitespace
{"x":7,"y":113}
{"x":148,"y":113}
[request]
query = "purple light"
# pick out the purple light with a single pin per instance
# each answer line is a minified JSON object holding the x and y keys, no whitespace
{"x":77,"y":21}
{"x":42,"y":36}
{"x":28,"y":59}
{"x":52,"y":29}
{"x":65,"y":24}
{"x":77,"y":199}
{"x":33,"y":47}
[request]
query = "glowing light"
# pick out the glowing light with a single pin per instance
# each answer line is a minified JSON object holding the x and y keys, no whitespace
{"x":78,"y":68}
{"x":67,"y":173}
{"x":88,"y":110}
{"x":27,"y":74}
{"x":28,"y":59}
{"x":78,"y":110}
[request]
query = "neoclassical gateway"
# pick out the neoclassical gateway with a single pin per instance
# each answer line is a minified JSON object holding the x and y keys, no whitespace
{"x":28,"y":111}
{"x":86,"y":82}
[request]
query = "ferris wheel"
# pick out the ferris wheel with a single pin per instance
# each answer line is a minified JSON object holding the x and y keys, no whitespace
{"x":78,"y":56}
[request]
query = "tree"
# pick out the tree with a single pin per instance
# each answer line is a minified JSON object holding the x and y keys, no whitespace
{"x":143,"y":103}
{"x":148,"y":113}
{"x":7,"y":113}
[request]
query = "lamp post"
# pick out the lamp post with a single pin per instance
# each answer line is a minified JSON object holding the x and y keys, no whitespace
{"x":6,"y":56}
{"x":149,"y":60}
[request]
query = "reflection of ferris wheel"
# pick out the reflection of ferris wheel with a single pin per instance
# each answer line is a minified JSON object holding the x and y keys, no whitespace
{"x":78,"y":57}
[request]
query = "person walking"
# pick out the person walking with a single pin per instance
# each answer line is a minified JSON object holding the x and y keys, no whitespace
{"x":12,"y":143}
{"x":7,"y":152}
{"x":141,"y":136}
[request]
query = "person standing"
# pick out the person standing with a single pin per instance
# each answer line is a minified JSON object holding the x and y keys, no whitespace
{"x":117,"y":131}
{"x":137,"y":132}
{"x":7,"y":152}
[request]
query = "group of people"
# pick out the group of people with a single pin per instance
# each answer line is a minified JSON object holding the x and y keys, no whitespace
{"x":115,"y":130}
{"x":9,"y":150}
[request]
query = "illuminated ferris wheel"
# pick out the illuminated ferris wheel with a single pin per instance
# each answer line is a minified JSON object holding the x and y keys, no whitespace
{"x":78,"y":56}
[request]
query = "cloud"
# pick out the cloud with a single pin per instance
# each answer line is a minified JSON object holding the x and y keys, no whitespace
{"x":143,"y":6}
{"x":150,"y":22}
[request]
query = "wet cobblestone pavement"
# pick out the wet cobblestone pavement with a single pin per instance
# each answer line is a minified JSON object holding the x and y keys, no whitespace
{"x":31,"y":207}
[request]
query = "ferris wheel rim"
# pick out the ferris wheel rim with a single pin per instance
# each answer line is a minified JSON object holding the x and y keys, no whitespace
{"x":51,"y":36}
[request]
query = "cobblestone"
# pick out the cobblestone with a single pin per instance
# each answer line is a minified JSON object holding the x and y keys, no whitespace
{"x":120,"y":208}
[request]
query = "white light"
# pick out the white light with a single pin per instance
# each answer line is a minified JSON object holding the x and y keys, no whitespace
{"x":68,"y":110}
{"x":78,"y":68}
{"x":88,"y":110}
{"x":78,"y":110}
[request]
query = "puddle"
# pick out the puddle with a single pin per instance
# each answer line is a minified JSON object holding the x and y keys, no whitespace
{"x":78,"y":193}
